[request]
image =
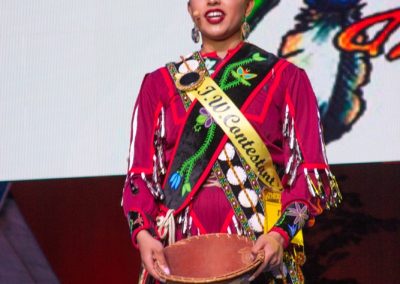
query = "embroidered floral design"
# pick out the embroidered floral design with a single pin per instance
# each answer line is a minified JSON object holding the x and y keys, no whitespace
{"x":300,"y":212}
{"x":135,"y":221}
{"x":293,"y":230}
{"x":241,"y":75}
{"x":204,"y":119}
{"x":281,"y":220}
{"x":187,"y":167}
{"x":293,"y":218}
{"x":138,"y":221}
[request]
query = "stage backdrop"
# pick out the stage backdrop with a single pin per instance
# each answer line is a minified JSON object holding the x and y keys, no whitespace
{"x":70,"y":72}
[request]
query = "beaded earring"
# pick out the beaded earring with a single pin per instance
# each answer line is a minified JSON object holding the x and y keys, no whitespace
{"x":245,"y":29}
{"x":195,"y":34}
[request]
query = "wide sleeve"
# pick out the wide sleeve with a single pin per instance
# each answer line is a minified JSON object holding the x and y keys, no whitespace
{"x":139,"y":192}
{"x":309,"y":185}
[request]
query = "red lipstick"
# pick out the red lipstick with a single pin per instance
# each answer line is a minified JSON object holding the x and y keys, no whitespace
{"x":214,"y":16}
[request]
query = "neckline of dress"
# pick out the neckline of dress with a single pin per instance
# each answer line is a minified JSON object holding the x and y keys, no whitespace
{"x":213,"y":54}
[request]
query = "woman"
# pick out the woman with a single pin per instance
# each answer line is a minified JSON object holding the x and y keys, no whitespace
{"x":189,"y":175}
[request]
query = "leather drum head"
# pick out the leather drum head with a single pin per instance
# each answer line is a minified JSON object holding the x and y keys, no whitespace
{"x":210,"y":258}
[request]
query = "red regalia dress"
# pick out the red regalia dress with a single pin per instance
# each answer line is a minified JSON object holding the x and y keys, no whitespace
{"x":283,"y":110}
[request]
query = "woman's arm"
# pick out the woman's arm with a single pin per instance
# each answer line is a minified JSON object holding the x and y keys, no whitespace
{"x":139,"y":204}
{"x":309,"y":186}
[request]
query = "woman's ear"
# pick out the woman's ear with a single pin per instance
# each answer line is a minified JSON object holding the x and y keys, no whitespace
{"x":249,"y":8}
{"x":189,"y":8}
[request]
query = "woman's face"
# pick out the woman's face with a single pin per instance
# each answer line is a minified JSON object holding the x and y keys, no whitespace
{"x":219,"y":19}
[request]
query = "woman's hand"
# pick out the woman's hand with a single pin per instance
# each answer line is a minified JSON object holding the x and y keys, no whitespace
{"x":151,"y":251}
{"x":272,"y":245}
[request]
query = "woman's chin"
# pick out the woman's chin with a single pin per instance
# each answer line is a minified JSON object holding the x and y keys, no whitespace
{"x":220,"y":36}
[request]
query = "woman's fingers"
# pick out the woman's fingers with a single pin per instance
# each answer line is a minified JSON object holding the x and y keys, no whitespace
{"x":275,"y":261}
{"x":257,"y":247}
{"x":161,"y":261}
{"x":260,"y":243}
{"x":149,"y":265}
{"x":151,"y":252}
{"x":273,"y":255}
{"x":261,"y":268}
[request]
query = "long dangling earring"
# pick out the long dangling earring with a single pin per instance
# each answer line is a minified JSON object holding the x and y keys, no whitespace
{"x":245,"y":29}
{"x":195,"y":34}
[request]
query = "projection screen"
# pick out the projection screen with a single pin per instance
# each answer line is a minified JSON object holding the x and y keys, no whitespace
{"x":70,"y":72}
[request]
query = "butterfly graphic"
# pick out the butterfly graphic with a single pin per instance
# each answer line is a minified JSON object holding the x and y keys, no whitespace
{"x":244,"y":73}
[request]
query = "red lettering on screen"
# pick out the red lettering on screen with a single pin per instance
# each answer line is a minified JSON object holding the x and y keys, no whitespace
{"x":352,"y":37}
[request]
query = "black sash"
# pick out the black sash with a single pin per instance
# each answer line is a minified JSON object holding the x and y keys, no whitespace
{"x":238,"y":78}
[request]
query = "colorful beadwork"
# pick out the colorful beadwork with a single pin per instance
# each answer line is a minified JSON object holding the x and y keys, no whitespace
{"x":135,"y":221}
{"x":203,"y":119}
{"x":187,"y":167}
{"x":241,"y":75}
{"x":256,"y":217}
{"x":233,"y":201}
{"x":253,"y":180}
{"x":293,"y":218}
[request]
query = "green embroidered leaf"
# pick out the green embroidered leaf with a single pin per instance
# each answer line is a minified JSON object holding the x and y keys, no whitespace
{"x":201,"y":119}
{"x":235,"y":74}
{"x":258,"y":57}
{"x":239,"y":79}
{"x":186,"y":188}
{"x":244,"y":82}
